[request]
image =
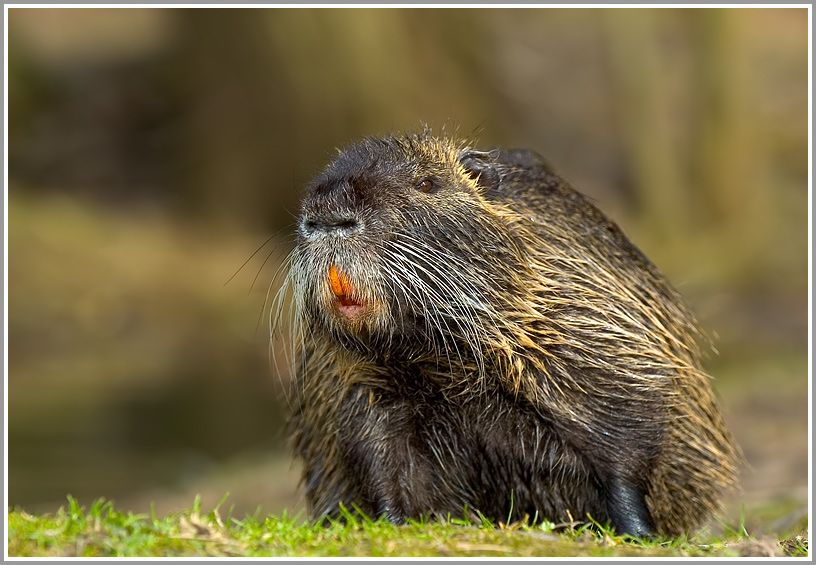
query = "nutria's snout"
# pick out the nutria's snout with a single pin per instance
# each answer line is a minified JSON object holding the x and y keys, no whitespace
{"x":340,"y":279}
{"x":327,"y":222}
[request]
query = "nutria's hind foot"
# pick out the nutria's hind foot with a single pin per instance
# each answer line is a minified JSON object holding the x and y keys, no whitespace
{"x":626,"y":505}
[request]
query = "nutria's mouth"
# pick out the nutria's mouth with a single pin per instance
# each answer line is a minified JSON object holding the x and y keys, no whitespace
{"x":345,"y":301}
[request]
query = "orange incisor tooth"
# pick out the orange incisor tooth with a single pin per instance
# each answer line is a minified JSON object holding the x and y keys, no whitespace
{"x":340,"y":284}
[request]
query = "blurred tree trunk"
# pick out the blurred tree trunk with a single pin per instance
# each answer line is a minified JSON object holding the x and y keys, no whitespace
{"x":731,"y":164}
{"x":639,"y":82}
{"x":237,"y":165}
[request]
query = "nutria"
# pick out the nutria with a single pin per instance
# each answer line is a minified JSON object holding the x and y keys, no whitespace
{"x":474,"y":335}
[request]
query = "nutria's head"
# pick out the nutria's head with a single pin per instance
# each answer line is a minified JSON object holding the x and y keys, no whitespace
{"x":401,"y":250}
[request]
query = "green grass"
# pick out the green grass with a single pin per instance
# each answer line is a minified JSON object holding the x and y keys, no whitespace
{"x":102,"y":530}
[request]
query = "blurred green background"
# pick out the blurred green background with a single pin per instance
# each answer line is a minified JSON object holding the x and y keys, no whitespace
{"x":152,"y":151}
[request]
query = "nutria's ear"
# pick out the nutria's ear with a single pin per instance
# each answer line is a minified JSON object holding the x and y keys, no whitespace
{"x":479,"y":167}
{"x":525,"y":159}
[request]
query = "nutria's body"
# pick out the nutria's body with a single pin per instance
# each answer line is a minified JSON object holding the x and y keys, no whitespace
{"x":473,"y":333}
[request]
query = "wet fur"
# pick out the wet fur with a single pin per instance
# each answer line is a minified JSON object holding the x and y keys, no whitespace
{"x":518,"y":355}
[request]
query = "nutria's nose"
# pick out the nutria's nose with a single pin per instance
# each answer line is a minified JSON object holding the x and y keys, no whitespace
{"x":314,"y":225}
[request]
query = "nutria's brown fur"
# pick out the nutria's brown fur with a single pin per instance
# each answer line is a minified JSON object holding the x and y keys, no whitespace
{"x":473,"y":333}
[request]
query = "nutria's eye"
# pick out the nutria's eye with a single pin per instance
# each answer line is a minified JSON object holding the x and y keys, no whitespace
{"x":426,"y":186}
